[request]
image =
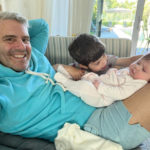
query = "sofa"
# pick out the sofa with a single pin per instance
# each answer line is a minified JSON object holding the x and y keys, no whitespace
{"x":57,"y":50}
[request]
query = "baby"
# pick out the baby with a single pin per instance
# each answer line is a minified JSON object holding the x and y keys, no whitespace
{"x":99,"y":91}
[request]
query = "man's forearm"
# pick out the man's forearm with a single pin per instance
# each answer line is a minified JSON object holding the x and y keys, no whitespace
{"x":126,"y":61}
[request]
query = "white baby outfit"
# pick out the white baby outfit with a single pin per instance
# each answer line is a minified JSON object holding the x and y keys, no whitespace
{"x":114,"y":85}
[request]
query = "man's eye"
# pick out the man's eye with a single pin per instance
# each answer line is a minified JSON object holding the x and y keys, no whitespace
{"x":9,"y":39}
{"x":26,"y":40}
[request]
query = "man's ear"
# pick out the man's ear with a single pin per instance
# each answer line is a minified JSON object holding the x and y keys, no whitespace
{"x":83,"y":66}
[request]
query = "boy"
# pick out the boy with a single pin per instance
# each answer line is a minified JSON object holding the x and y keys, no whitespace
{"x":89,"y":53}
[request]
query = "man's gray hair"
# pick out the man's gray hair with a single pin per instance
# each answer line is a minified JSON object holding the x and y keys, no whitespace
{"x":13,"y":16}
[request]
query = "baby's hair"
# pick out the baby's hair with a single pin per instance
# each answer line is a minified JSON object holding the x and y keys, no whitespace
{"x":146,"y":57}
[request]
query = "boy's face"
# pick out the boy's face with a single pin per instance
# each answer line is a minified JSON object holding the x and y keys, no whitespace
{"x":140,"y":70}
{"x":15,"y":48}
{"x":99,"y":64}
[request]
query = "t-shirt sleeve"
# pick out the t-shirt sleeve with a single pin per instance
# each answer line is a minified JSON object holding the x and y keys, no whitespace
{"x":112,"y":60}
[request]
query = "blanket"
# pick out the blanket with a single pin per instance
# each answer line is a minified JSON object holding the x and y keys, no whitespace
{"x":71,"y":137}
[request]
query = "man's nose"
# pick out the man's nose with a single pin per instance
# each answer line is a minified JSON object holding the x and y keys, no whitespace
{"x":19,"y":44}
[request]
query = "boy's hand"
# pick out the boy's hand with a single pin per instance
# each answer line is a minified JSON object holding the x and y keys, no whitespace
{"x":76,"y":73}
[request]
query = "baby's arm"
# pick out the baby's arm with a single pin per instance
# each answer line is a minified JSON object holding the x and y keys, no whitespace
{"x":108,"y":78}
{"x":119,"y":86}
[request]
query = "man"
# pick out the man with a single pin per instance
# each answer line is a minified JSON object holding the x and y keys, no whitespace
{"x":31,"y":103}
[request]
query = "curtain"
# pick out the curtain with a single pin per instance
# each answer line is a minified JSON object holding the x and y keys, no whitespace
{"x":80,"y":16}
{"x":29,"y":8}
{"x":59,"y":17}
{"x":65,"y":17}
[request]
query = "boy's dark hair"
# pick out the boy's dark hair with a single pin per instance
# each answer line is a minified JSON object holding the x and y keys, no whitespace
{"x":86,"y":48}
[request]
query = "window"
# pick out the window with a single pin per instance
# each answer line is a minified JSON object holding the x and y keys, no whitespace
{"x":143,"y":45}
{"x":115,"y":19}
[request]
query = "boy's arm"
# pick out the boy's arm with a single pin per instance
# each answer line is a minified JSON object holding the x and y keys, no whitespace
{"x":74,"y":72}
{"x":39,"y":31}
{"x":126,"y":61}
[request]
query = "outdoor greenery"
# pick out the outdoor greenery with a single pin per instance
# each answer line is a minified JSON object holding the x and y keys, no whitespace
{"x":112,"y":19}
{"x":125,"y":18}
{"x":146,"y":31}
{"x":146,"y":14}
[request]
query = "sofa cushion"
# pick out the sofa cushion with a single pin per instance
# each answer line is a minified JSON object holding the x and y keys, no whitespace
{"x":11,"y":142}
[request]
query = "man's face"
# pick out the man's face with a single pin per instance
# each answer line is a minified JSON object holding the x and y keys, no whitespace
{"x":15,"y":48}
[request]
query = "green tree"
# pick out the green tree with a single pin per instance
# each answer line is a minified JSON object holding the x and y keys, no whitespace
{"x":146,"y":15}
{"x":118,"y":18}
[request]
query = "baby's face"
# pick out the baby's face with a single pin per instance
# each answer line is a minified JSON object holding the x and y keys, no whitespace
{"x":140,"y":70}
{"x":99,"y":64}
